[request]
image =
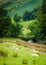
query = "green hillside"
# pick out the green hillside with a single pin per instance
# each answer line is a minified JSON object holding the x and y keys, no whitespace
{"x":19,"y":6}
{"x":28,"y":6}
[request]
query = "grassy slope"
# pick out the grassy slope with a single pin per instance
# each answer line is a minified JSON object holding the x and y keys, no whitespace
{"x":9,"y":55}
{"x":26,"y":24}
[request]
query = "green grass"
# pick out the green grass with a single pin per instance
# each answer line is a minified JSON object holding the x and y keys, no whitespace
{"x":26,"y":23}
{"x":9,"y":55}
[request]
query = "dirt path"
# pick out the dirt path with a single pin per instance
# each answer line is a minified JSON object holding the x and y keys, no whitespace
{"x":36,"y":46}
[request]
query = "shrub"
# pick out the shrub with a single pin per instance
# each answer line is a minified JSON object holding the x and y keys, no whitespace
{"x":17,"y":18}
{"x":24,"y":61}
{"x":15,"y":55}
{"x":4,"y":54}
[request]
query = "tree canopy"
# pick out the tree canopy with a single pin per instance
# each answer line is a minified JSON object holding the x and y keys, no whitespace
{"x":5,"y":23}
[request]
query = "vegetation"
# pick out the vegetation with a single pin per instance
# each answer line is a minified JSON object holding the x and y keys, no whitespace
{"x":42,"y":19}
{"x":17,"y":18}
{"x":13,"y":54}
{"x":22,"y":36}
{"x":5,"y":23}
{"x":32,"y":31}
{"x":28,"y":16}
{"x":35,"y":31}
{"x":16,"y":30}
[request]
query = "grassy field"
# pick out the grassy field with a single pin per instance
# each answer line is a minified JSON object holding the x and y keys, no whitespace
{"x":14,"y":54}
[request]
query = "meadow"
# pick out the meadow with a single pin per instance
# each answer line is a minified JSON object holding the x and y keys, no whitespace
{"x":15,"y":54}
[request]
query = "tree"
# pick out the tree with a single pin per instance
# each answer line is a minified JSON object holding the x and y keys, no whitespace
{"x":5,"y":23}
{"x":42,"y":18}
{"x":17,"y":18}
{"x":16,"y":30}
{"x":28,"y":16}
{"x":35,"y":31}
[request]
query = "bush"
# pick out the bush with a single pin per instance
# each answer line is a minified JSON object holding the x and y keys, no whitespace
{"x":17,"y":18}
{"x":3,"y":54}
{"x":25,"y":61}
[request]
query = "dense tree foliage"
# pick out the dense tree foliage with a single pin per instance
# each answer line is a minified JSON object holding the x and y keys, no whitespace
{"x":28,"y":15}
{"x":5,"y":23}
{"x":16,"y":30}
{"x":42,"y":19}
{"x":17,"y":18}
{"x":35,"y":34}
